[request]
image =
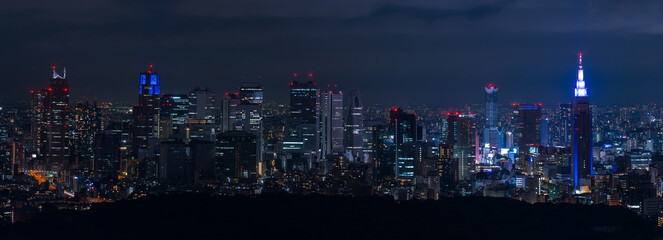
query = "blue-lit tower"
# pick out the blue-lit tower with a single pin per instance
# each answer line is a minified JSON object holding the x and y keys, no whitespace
{"x":492,"y":134}
{"x":146,"y":113}
{"x":581,"y":145}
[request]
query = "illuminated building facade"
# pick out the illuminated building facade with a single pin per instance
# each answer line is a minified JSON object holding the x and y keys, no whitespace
{"x":354,"y":127}
{"x":447,"y":169}
{"x":146,"y":114}
{"x":404,"y":129}
{"x":55,"y":128}
{"x":491,"y":133}
{"x":175,"y":107}
{"x":461,"y":136}
{"x":236,"y":158}
{"x":581,"y":147}
{"x":251,"y":93}
{"x":304,"y":116}
{"x":332,"y":123}
{"x":528,"y":132}
{"x":229,"y":104}
{"x":203,"y":105}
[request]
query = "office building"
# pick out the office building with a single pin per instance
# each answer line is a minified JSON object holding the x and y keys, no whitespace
{"x":146,"y":115}
{"x":581,"y":146}
{"x":55,"y":124}
{"x":354,"y":127}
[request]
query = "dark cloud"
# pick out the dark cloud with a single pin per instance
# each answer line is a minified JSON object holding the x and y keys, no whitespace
{"x":394,"y":51}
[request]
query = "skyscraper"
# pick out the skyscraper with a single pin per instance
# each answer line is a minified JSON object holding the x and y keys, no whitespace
{"x":176,"y":108}
{"x":564,"y":124}
{"x":146,"y":114}
{"x":172,"y":161}
{"x":491,"y":133}
{"x":85,"y":125}
{"x":404,"y":129}
{"x":528,"y":131}
{"x":354,"y":127}
{"x":251,"y":93}
{"x":304,"y":113}
{"x":228,"y":111}
{"x":248,"y":114}
{"x":545,"y":132}
{"x":332,"y":123}
{"x":447,"y":169}
{"x":461,"y":136}
{"x":235,"y":152}
{"x":36,"y":121}
{"x":55,"y":129}
{"x":203,"y":105}
{"x":581,"y":147}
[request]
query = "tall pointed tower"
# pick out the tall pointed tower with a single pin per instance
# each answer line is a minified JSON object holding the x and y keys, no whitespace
{"x":581,"y":146}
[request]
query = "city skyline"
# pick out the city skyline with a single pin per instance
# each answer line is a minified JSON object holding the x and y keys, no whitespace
{"x":198,"y":117}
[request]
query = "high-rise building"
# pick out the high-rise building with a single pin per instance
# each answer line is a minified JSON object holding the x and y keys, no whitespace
{"x":354,"y":127}
{"x":55,"y":129}
{"x":404,"y":129}
{"x":564,"y":125}
{"x":85,"y":125}
{"x":304,"y":115}
{"x":228,"y":111}
{"x":113,"y":149}
{"x":146,"y":114}
{"x":36,"y":120}
{"x":175,"y":107}
{"x":248,"y":117}
{"x":107,"y":155}
{"x":528,"y":131}
{"x":251,"y":93}
{"x":491,"y":132}
{"x":304,"y":101}
{"x":447,"y":169}
{"x":172,"y":161}
{"x":236,"y":156}
{"x":545,"y":132}
{"x":382,"y":150}
{"x":248,"y":114}
{"x":203,"y":105}
{"x":581,"y":147}
{"x":461,"y":136}
{"x":331,"y":123}
{"x":201,"y":154}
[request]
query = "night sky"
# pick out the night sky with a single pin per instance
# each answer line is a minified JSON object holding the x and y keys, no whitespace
{"x":396,"y":52}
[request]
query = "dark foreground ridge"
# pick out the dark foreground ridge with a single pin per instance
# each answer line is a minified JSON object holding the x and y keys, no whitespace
{"x":323,"y":217}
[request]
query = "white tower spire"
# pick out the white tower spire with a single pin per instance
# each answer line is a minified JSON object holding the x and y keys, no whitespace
{"x":580,"y":90}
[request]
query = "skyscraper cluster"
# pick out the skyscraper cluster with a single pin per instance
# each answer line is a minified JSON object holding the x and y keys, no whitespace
{"x":326,"y":140}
